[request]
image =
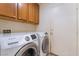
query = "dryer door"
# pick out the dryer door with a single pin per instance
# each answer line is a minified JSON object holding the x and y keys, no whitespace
{"x":30,"y":49}
{"x":45,"y":44}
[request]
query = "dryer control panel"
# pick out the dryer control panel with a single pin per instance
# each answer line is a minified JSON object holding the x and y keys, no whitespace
{"x":34,"y":36}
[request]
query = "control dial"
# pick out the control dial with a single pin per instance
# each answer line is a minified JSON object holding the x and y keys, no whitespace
{"x":27,"y":38}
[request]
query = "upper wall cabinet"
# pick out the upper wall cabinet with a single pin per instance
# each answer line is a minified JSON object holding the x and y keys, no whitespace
{"x":34,"y":13}
{"x":23,"y":11}
{"x":8,"y":9}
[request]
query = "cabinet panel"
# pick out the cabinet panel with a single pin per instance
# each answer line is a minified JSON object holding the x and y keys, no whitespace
{"x":33,"y":13}
{"x":8,"y":9}
{"x":23,"y":11}
{"x":36,"y":13}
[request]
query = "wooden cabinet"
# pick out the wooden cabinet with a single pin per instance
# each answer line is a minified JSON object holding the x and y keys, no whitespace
{"x":8,"y":9}
{"x":34,"y":13}
{"x":23,"y":11}
{"x":26,"y":12}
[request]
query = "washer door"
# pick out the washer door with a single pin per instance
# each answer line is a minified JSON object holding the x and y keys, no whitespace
{"x":45,"y":44}
{"x":28,"y":50}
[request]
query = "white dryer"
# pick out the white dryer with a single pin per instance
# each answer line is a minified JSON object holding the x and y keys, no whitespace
{"x":44,"y":43}
{"x":19,"y":44}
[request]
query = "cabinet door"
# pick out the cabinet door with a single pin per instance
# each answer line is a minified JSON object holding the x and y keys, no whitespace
{"x":36,"y":13}
{"x":23,"y":11}
{"x":64,"y":29}
{"x":33,"y":13}
{"x":8,"y":9}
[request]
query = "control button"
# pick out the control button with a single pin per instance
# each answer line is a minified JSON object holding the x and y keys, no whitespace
{"x":27,"y":38}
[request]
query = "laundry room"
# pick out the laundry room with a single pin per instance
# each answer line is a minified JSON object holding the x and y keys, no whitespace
{"x":39,"y":29}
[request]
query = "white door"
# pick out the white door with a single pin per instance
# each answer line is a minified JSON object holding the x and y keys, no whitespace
{"x":63,"y":27}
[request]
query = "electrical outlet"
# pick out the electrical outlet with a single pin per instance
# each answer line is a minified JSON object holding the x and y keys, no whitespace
{"x":6,"y":31}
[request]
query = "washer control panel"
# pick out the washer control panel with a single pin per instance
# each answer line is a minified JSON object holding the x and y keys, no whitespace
{"x":11,"y":42}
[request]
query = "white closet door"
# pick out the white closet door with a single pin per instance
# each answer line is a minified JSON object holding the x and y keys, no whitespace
{"x":64,"y":29}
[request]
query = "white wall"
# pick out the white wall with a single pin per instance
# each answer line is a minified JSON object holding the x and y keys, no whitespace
{"x":45,"y":17}
{"x":64,"y":33}
{"x":60,"y":20}
{"x":16,"y":26}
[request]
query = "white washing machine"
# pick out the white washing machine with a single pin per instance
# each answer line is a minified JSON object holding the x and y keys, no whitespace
{"x":19,"y":44}
{"x":44,"y":43}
